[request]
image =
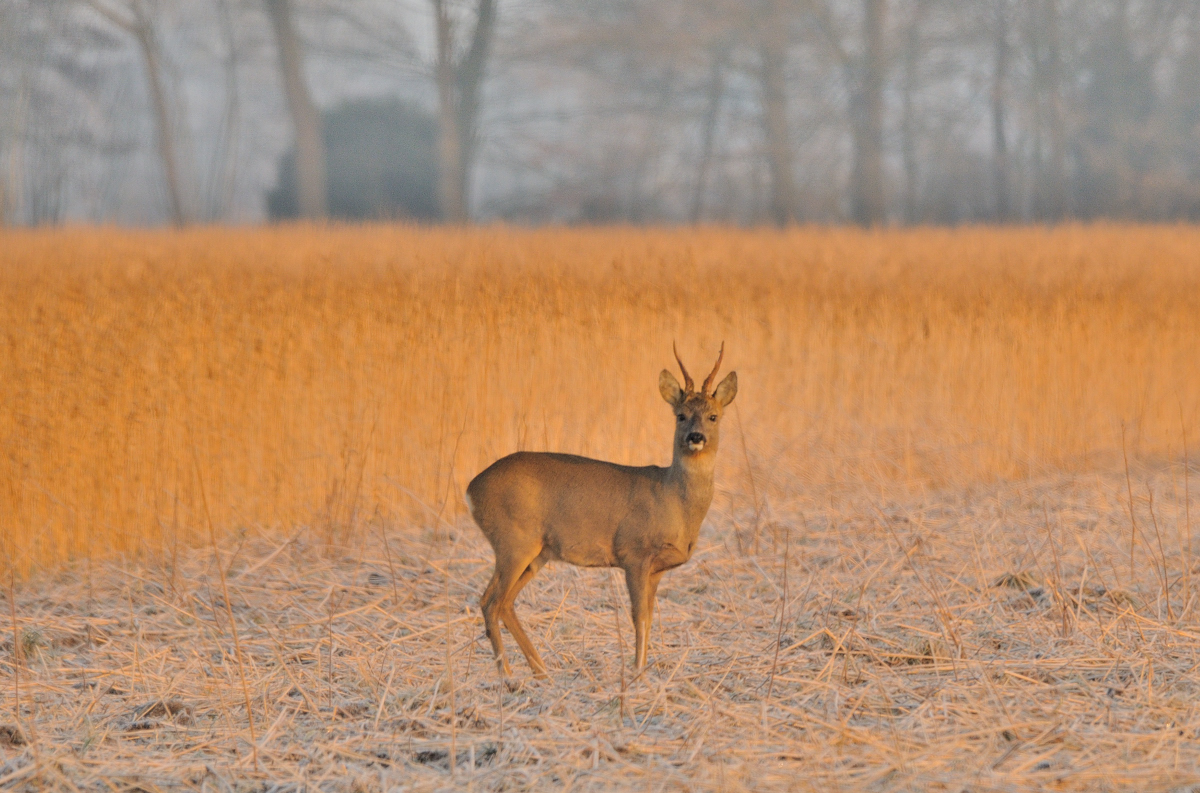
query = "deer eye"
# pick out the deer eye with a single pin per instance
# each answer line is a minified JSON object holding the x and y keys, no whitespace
{"x":713,"y":417}
{"x":681,"y":417}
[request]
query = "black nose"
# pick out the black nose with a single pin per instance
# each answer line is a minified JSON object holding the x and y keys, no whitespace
{"x":695,"y":437}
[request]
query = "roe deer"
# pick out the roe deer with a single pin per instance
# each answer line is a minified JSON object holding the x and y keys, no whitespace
{"x":536,"y":507}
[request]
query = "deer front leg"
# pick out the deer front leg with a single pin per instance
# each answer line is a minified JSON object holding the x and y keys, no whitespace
{"x":652,"y":602}
{"x":637,"y":579}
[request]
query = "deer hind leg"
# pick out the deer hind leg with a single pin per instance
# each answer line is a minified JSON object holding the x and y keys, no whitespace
{"x":497,"y":602}
{"x":651,"y":602}
{"x":489,"y":604}
{"x":509,"y":615}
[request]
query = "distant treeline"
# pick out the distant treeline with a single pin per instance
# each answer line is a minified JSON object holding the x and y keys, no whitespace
{"x":873,"y":112}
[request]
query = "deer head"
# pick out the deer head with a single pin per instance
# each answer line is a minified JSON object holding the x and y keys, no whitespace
{"x":697,"y":413}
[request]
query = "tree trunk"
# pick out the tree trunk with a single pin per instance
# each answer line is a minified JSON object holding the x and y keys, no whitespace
{"x":222,"y":176}
{"x":306,"y":120}
{"x":459,"y":85}
{"x":1049,"y":136}
{"x":143,"y":31}
{"x":1058,"y":140}
{"x":908,"y":133}
{"x":867,"y":119}
{"x":451,"y":193}
{"x":716,"y":86}
{"x":999,"y":140}
{"x":784,"y":203}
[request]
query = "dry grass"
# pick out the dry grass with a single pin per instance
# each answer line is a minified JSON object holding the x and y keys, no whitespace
{"x":930,"y":431}
{"x":989,"y":640}
{"x":321,"y":377}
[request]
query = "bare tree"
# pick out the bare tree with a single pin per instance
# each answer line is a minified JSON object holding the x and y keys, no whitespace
{"x":1000,"y":184}
{"x":306,"y":119}
{"x":222,"y":177}
{"x":618,"y":110}
{"x":784,"y":201}
{"x":14,"y":96}
{"x":708,"y":130}
{"x":459,"y":80}
{"x":867,"y":118}
{"x":137,"y":18}
{"x":1049,"y":132}
{"x":865,"y":72}
{"x":908,"y":114}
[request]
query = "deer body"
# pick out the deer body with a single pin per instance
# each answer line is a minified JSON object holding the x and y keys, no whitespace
{"x":536,"y":507}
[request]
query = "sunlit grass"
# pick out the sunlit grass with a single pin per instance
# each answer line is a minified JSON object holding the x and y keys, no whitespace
{"x":321,"y":376}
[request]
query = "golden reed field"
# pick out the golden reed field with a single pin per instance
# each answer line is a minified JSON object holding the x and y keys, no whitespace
{"x":322,"y":377}
{"x":951,"y":547}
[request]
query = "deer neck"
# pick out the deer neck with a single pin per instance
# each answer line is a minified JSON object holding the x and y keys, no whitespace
{"x":692,"y":479}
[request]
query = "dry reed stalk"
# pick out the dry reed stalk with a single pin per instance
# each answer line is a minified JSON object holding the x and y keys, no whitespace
{"x":18,"y":653}
{"x":329,"y":653}
{"x":783,"y":602}
{"x":1187,"y":510}
{"x":450,"y":684}
{"x":387,"y":548}
{"x":737,"y":412}
{"x":1132,"y":517}
{"x":1057,"y":584}
{"x":1161,"y":561}
{"x":616,"y":600}
{"x":237,"y":645}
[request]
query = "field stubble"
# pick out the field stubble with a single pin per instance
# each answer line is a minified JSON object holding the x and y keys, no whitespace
{"x":931,"y":430}
{"x":987,"y":640}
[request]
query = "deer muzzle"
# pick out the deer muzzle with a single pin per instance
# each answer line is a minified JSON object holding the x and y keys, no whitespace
{"x":696,"y":441}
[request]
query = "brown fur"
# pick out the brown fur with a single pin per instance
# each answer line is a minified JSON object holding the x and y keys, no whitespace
{"x":537,"y":507}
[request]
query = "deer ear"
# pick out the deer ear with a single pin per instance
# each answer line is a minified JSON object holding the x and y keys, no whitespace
{"x":727,"y":390}
{"x":668,"y":386}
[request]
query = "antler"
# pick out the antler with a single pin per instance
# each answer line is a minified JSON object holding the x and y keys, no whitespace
{"x":708,"y":380}
{"x":688,"y":385}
